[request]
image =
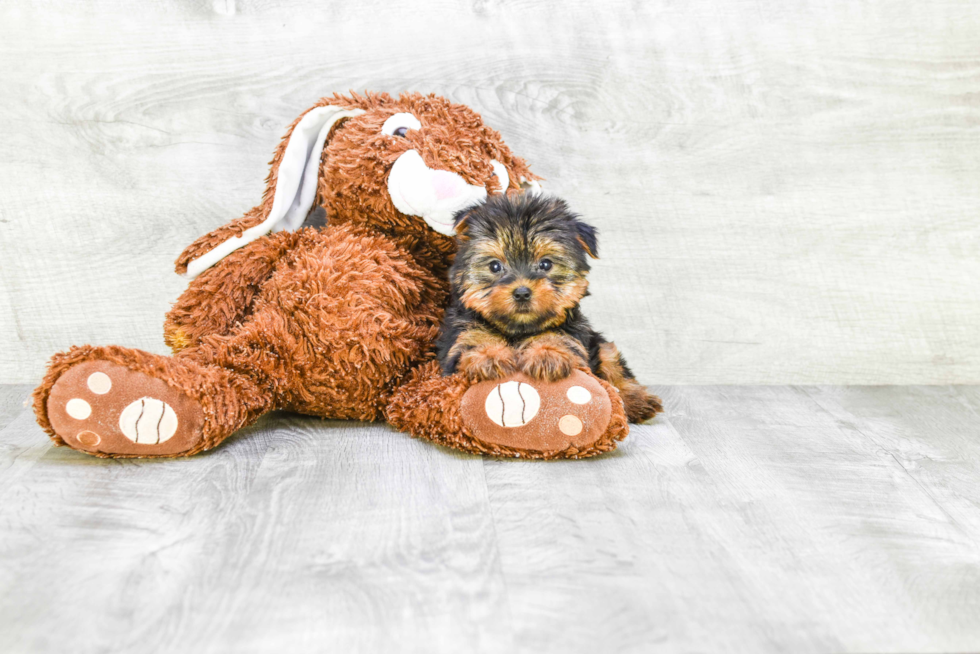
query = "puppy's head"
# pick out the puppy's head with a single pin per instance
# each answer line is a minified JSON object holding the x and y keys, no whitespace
{"x":522,"y":261}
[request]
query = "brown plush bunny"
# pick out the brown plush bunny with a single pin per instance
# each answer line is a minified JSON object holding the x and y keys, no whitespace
{"x":336,"y":320}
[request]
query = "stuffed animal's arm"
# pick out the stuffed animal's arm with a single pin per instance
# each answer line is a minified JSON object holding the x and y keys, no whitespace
{"x":213,"y":239}
{"x":222,"y":295}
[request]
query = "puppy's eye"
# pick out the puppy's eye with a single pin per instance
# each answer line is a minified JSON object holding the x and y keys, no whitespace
{"x":401,"y":131}
{"x":495,"y":267}
{"x":545,"y":265}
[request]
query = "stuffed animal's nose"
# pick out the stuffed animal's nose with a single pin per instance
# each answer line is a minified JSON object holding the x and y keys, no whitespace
{"x":522,"y":294}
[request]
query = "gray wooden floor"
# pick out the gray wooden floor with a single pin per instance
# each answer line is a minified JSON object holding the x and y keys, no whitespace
{"x":748,"y":518}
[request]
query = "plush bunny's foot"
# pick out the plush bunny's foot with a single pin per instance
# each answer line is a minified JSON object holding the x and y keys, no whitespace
{"x":528,"y":414}
{"x":119,"y":402}
{"x":105,"y":408}
{"x":517,"y":416}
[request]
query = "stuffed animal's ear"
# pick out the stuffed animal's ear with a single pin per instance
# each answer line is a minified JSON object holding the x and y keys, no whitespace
{"x":300,"y":166}
{"x":532,"y":186}
{"x":588,"y":237}
{"x":295,"y":183}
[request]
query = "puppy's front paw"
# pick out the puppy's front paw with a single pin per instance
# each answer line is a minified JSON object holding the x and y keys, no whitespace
{"x":547,"y":360}
{"x":488,"y":362}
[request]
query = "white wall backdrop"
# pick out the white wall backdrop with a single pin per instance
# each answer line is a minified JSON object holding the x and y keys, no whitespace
{"x":787,"y":190}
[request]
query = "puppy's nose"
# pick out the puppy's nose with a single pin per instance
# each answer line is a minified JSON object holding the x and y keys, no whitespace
{"x":522,"y":294}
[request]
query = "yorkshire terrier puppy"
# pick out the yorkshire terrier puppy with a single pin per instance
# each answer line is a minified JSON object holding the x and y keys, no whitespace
{"x":519,"y":274}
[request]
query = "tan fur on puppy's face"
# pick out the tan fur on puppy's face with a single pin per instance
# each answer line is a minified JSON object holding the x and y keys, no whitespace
{"x":522,"y":257}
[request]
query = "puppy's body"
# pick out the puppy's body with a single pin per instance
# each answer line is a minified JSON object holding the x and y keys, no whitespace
{"x":516,"y":284}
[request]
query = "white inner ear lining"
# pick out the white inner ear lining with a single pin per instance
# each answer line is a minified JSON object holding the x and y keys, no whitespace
{"x":295,"y":184}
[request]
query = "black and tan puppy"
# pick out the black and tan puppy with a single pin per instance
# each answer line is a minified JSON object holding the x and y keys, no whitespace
{"x":517,"y":280}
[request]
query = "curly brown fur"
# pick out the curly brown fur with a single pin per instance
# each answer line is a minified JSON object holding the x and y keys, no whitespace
{"x":215,"y":302}
{"x":327,"y":321}
{"x":351,"y":188}
{"x":518,"y":277}
{"x":290,"y":309}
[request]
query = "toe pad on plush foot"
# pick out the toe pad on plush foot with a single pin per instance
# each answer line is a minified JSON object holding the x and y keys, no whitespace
{"x":105,"y":408}
{"x":536,"y":416}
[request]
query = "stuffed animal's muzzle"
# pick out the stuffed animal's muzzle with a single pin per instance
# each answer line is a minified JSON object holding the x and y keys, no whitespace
{"x":433,"y":195}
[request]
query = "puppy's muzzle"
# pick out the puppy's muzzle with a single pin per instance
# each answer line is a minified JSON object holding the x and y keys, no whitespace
{"x":522,"y":294}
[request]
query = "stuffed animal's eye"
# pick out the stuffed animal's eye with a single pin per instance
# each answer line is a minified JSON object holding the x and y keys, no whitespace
{"x":545,"y":265}
{"x":495,"y":267}
{"x":399,"y":124}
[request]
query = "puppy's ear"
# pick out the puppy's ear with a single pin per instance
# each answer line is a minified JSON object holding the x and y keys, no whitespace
{"x":461,"y":224}
{"x":588,"y":237}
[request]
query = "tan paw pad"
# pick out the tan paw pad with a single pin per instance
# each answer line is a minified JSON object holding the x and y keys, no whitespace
{"x":99,"y":383}
{"x":78,"y":408}
{"x":570,"y":425}
{"x":148,"y":420}
{"x":512,"y":404}
{"x":578,"y":395}
{"x":88,"y":438}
